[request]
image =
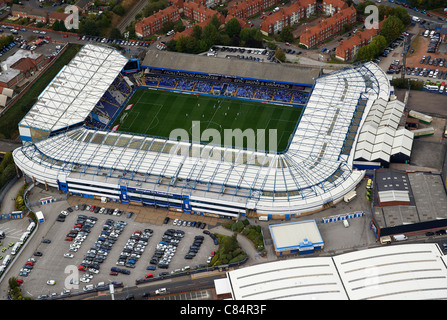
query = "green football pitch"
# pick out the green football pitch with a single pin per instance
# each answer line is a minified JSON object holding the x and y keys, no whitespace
{"x":158,"y":113}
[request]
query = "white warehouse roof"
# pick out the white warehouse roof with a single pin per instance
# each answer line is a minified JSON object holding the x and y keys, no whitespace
{"x":380,"y":136}
{"x":76,"y":89}
{"x":394,"y":272}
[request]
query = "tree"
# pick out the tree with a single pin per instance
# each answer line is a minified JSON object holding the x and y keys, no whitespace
{"x":180,"y":44}
{"x":233,"y":27}
{"x":215,"y":21}
{"x":59,"y":25}
{"x":366,"y":53}
{"x":403,"y":15}
{"x":362,"y":5}
{"x":167,"y":26}
{"x":88,"y":27}
{"x":392,"y":28}
{"x":210,"y":34}
{"x":119,"y":10}
{"x":379,"y":42}
{"x":286,"y":34}
{"x":280,"y":55}
{"x":171,"y":45}
{"x":251,"y":37}
{"x":192,"y":45}
{"x":115,"y":34}
{"x":197,"y":31}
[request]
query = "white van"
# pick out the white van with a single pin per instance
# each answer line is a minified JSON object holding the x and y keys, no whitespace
{"x":400,"y":237}
{"x":385,"y":240}
{"x":350,"y":196}
{"x":160,"y":291}
{"x":346,"y":223}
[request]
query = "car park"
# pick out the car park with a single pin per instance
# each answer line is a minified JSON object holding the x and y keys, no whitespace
{"x":99,"y":237}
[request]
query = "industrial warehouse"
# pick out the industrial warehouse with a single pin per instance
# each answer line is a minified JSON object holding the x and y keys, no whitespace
{"x":401,"y":272}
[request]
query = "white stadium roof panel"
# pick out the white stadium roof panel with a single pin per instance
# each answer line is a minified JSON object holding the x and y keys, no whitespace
{"x":76,"y":89}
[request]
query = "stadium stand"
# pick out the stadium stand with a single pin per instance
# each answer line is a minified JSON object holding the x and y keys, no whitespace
{"x":264,"y":93}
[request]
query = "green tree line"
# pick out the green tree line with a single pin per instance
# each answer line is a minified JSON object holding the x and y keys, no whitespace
{"x":202,"y":39}
{"x":7,"y":169}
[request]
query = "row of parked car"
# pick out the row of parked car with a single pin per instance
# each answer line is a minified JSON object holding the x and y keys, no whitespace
{"x":101,"y":248}
{"x":395,"y":67}
{"x":134,"y":248}
{"x":195,"y":247}
{"x":393,"y":45}
{"x":6,"y":48}
{"x":186,"y":223}
{"x":435,"y":61}
{"x":166,"y":248}
{"x":434,"y":43}
{"x":114,"y":41}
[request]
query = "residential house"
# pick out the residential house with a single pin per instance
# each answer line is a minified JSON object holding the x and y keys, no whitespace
{"x":53,"y":16}
{"x":22,"y":11}
{"x":330,"y":7}
{"x":20,"y":66}
{"x":198,"y":12}
{"x":154,"y":23}
{"x":288,"y":16}
{"x":249,"y":8}
{"x":347,"y":49}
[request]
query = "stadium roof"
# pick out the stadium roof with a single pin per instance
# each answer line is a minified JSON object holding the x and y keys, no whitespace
{"x":232,"y":67}
{"x":315,"y":170}
{"x":396,"y":272}
{"x":76,"y":89}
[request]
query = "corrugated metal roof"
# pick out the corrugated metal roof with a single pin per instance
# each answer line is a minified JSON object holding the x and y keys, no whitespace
{"x":398,"y":272}
{"x":74,"y":92}
{"x":231,"y":67}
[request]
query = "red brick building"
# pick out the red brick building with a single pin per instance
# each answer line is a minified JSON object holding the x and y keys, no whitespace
{"x":37,"y":14}
{"x":327,"y":28}
{"x":288,"y":16}
{"x":332,"y":6}
{"x":154,"y":23}
{"x":54,"y":16}
{"x":249,"y":8}
{"x":197,"y":12}
{"x":20,"y":66}
{"x":347,"y":49}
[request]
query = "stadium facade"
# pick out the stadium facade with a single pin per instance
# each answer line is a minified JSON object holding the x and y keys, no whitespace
{"x":317,"y":170}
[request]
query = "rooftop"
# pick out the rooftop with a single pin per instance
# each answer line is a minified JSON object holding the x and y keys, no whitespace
{"x":231,"y":67}
{"x":398,"y":272}
{"x":289,"y":236}
{"x":76,"y":89}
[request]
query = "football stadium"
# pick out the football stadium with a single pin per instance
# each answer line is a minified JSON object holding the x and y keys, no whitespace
{"x":97,"y":131}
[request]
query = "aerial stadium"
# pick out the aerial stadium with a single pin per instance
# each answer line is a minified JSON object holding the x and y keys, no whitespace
{"x":96,"y":133}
